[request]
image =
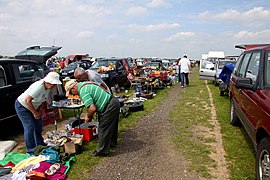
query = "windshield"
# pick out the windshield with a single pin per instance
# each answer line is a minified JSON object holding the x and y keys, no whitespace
{"x":105,"y":63}
{"x":223,"y":63}
{"x":36,"y":51}
{"x":156,"y":64}
{"x":73,"y":65}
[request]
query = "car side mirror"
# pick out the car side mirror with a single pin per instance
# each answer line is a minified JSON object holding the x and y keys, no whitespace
{"x":245,"y":83}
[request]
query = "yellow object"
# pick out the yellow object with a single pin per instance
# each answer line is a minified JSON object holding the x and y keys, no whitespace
{"x":26,"y":162}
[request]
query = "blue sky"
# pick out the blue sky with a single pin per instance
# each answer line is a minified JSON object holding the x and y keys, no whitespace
{"x":136,"y":28}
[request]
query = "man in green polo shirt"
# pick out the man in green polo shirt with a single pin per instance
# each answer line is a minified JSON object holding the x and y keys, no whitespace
{"x":97,"y":99}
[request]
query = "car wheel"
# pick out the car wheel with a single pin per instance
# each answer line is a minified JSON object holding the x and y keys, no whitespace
{"x":234,"y":120}
{"x":263,"y":159}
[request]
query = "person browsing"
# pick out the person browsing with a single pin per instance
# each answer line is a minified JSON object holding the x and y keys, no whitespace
{"x":89,"y":75}
{"x":29,"y":106}
{"x":97,"y":100}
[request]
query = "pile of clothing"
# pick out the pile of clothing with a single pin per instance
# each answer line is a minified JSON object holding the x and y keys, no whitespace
{"x":47,"y":163}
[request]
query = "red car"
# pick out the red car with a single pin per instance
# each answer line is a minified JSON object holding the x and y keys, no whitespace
{"x":250,"y":101}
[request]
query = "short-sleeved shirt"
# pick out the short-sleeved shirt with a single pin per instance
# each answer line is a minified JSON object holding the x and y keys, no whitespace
{"x":93,"y":94}
{"x":95,"y":77}
{"x":184,"y":65}
{"x":37,"y":91}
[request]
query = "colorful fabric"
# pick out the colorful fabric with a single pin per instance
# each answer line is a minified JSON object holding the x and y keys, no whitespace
{"x":14,"y":157}
{"x":53,"y":154}
{"x":59,"y":174}
{"x":26,"y":162}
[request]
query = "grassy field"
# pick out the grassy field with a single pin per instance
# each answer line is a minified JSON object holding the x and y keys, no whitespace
{"x":191,"y":119}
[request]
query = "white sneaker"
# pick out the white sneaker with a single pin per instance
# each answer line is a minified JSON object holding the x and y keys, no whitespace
{"x":182,"y":86}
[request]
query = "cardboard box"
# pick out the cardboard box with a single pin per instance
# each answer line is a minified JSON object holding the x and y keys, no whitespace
{"x":74,"y":146}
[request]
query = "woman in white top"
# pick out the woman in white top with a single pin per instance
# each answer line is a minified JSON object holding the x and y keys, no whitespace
{"x":29,"y":106}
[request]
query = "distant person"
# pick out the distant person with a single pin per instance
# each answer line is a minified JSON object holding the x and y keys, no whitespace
{"x":29,"y":106}
{"x":89,"y":75}
{"x":185,"y":69}
{"x":62,"y":64}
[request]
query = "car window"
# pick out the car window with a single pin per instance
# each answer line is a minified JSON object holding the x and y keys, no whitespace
{"x":267,"y":69}
{"x":235,"y":70}
{"x":41,"y":72}
{"x":207,"y":65}
{"x":3,"y":80}
{"x":253,"y":67}
{"x":120,"y":65}
{"x":244,"y":64}
{"x":25,"y":72}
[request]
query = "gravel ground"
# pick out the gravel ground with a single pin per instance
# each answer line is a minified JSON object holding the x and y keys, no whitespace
{"x":146,"y":151}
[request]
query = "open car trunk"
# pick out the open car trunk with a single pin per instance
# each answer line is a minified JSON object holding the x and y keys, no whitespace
{"x":37,"y":53}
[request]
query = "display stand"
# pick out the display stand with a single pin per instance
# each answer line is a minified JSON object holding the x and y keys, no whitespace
{"x":74,"y":104}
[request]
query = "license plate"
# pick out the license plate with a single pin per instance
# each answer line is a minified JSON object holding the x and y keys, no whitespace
{"x":64,"y":74}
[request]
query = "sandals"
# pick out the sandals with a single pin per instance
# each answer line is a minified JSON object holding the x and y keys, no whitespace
{"x":52,"y":170}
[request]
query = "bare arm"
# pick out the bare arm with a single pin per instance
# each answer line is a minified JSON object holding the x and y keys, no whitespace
{"x":31,"y":107}
{"x":190,"y":70}
{"x":90,"y":112}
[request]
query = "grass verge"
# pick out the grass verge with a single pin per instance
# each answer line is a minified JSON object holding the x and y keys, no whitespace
{"x":193,"y":132}
{"x":239,"y":149}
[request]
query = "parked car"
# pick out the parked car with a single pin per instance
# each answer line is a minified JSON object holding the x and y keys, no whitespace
{"x":219,"y":66}
{"x":250,"y":101}
{"x":69,"y":70}
{"x":207,"y":70}
{"x":15,"y":77}
{"x":113,"y":71}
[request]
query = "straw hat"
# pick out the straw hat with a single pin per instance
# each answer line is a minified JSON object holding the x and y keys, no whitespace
{"x":69,"y":85}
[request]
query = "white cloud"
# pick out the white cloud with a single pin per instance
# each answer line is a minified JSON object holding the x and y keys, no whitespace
{"x":137,"y":11}
{"x":3,"y":28}
{"x":153,"y":27}
{"x":85,"y":34}
{"x":255,"y":14}
{"x":158,"y":3}
{"x":179,"y":36}
{"x":253,"y":35}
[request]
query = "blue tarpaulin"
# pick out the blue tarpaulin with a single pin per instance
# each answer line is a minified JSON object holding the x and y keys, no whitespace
{"x":226,"y":72}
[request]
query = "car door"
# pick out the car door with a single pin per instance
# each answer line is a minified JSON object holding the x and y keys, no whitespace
{"x":207,"y":70}
{"x":239,"y":72}
{"x":19,"y":75}
{"x":121,"y":73}
{"x":249,"y":98}
{"x":6,"y":98}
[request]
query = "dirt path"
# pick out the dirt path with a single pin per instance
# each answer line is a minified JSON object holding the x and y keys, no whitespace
{"x":218,"y":152}
{"x":146,"y":152}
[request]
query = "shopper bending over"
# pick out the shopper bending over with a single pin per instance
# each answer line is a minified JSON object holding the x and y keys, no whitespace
{"x":29,"y":106}
{"x":97,"y":99}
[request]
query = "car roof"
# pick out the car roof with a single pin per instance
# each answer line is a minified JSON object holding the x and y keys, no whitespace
{"x":252,"y":46}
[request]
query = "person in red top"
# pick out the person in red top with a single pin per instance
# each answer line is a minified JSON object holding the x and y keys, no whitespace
{"x":62,"y":64}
